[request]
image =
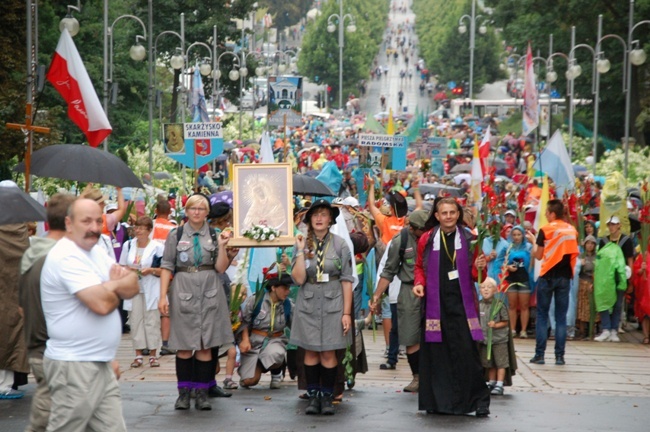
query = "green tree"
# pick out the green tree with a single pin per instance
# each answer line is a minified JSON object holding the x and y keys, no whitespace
{"x":530,"y":20}
{"x":446,"y":52}
{"x":319,"y":58}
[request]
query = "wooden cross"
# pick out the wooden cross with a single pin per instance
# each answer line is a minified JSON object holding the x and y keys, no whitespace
{"x":27,"y":130}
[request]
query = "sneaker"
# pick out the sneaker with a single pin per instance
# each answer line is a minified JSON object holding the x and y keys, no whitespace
{"x":613,"y":336}
{"x":523,"y":335}
{"x":537,"y":360}
{"x":314,"y":403}
{"x":482,"y":412}
{"x":183,"y":401}
{"x":559,"y":360}
{"x":497,"y":391}
{"x":401,"y":354}
{"x":11,"y":394}
{"x":603,"y":337}
{"x":275,"y":382}
{"x":387,"y":366}
{"x":201,"y":402}
{"x":229,"y":384}
{"x":326,"y":405}
{"x":166,"y":351}
{"x":216,"y":391}
{"x":386,"y":353}
{"x":514,"y":334}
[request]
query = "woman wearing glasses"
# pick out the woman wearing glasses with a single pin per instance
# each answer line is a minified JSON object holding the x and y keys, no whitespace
{"x":195,"y":300}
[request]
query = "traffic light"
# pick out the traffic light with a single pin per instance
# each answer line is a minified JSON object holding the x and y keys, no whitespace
{"x":329,"y":89}
{"x":318,"y":100}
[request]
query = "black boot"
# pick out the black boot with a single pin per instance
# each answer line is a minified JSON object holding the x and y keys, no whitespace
{"x":201,"y":402}
{"x":326,"y":406}
{"x":183,"y":401}
{"x":314,"y":403}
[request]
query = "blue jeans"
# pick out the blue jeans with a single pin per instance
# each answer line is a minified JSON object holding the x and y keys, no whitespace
{"x":393,"y":339}
{"x":546,"y":288}
{"x":610,"y":321}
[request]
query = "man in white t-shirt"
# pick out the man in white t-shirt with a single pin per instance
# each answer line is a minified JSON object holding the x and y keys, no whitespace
{"x":81,"y":288}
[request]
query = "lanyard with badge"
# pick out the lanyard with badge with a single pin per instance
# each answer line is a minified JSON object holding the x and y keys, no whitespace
{"x":453,"y":275}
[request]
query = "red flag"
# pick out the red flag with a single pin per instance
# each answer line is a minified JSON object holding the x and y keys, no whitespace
{"x":70,"y":78}
{"x":531,"y":102}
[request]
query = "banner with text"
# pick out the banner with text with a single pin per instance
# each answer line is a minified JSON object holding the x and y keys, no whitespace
{"x":193,"y":144}
{"x":376,"y":140}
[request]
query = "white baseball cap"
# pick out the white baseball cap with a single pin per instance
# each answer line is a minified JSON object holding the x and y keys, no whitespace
{"x":350,"y":201}
{"x":613,"y":220}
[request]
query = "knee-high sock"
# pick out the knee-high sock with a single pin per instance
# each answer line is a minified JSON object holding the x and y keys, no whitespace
{"x":184,"y":372}
{"x":327,"y":379}
{"x":215,"y":363}
{"x":414,"y":362}
{"x":313,"y":377}
{"x":204,"y":373}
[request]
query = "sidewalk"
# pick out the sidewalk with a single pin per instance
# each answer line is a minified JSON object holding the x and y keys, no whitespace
{"x":592,"y":368}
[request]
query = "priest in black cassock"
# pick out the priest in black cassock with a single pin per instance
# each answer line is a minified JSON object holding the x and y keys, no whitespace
{"x":451,"y":374}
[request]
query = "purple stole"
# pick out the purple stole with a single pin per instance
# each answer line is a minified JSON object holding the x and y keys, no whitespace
{"x":433,"y":330}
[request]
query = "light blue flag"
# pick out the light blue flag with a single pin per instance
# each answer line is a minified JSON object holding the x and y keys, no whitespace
{"x":554,"y":161}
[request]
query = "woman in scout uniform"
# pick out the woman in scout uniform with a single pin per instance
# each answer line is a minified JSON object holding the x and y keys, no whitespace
{"x":200,"y":318}
{"x":263,"y":345}
{"x":324,"y":305}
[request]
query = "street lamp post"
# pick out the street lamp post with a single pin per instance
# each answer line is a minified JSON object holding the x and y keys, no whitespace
{"x":175,"y":59}
{"x":550,"y":78}
{"x":635,"y":57}
{"x":331,"y":27}
{"x":137,"y":53}
{"x":462,"y":28}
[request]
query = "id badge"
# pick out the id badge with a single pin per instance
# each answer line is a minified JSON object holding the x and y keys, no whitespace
{"x":325,"y":277}
{"x":453,"y":275}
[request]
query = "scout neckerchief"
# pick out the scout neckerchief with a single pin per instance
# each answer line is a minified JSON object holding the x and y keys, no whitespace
{"x":320,"y":255}
{"x":198,"y":254}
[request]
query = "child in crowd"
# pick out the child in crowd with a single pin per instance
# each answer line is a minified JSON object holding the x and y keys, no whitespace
{"x":499,"y":360}
{"x":586,"y":307}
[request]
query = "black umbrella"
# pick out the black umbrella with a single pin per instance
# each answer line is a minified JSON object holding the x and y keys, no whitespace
{"x":18,"y":207}
{"x":437,"y":188}
{"x":81,"y":163}
{"x":250,"y":141}
{"x":305,"y":185}
{"x":461,"y":168}
{"x":349,"y":141}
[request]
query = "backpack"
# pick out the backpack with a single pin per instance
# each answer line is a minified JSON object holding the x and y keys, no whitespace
{"x":287,"y":311}
{"x":213,"y":234}
{"x":403,"y":240}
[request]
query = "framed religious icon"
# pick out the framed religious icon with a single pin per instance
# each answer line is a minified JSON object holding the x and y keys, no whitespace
{"x":262,"y":210}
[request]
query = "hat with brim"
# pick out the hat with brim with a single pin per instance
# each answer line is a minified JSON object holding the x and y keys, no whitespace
{"x":398,"y":203}
{"x":95,"y":195}
{"x":218,"y":210}
{"x":321,"y":203}
{"x":277,"y":279}
{"x":613,"y":220}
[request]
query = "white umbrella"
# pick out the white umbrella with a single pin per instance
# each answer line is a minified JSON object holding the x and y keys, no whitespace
{"x":460,"y":178}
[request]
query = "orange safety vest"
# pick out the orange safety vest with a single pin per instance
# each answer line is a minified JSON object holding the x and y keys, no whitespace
{"x":560,"y":238}
{"x":161,"y":229}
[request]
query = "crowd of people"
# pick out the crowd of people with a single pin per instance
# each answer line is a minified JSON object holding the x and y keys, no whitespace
{"x":453,"y":283}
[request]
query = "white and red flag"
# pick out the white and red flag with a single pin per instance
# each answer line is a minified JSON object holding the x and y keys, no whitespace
{"x":69,"y":77}
{"x":531,"y":101}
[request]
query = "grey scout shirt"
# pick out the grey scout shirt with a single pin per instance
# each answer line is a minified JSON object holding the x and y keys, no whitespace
{"x":403,"y":268}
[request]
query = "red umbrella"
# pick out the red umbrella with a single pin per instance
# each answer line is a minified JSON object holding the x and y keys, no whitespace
{"x":440,"y":96}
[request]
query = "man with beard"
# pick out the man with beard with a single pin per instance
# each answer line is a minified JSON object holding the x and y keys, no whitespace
{"x":451,"y":374}
{"x":81,"y":288}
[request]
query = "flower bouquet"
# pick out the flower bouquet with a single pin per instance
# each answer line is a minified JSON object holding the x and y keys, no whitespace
{"x":261,"y":233}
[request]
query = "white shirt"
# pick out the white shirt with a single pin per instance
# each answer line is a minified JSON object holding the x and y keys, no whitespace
{"x":149,"y":285}
{"x":395,"y":284}
{"x":75,"y":332}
